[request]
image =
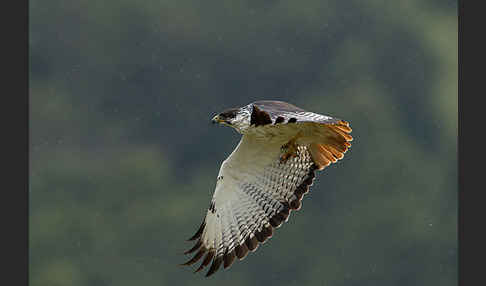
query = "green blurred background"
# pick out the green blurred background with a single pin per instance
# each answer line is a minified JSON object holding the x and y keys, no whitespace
{"x":123,"y":158}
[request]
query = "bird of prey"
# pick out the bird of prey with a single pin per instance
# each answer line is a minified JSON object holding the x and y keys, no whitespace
{"x":265,"y":177}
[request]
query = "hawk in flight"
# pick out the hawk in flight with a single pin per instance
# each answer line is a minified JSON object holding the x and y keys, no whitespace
{"x":265,"y":177}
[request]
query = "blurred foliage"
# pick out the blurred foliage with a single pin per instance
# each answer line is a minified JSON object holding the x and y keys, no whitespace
{"x":123,"y":159}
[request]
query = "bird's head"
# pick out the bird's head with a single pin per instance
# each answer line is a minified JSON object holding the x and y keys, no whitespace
{"x":237,"y":118}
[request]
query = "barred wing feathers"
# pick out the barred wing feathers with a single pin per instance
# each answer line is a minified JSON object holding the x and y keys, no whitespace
{"x":249,"y":201}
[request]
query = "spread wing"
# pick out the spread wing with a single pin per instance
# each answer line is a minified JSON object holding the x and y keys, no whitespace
{"x":256,"y":190}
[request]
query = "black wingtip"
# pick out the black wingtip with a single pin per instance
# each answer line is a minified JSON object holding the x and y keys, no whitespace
{"x":229,"y":258}
{"x":198,"y":232}
{"x":195,"y":247}
{"x":215,"y":266}
{"x":241,"y":251}
{"x":206,"y":261}
{"x":196,"y":257}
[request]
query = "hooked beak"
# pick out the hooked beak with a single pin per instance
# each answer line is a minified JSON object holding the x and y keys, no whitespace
{"x":218,"y":119}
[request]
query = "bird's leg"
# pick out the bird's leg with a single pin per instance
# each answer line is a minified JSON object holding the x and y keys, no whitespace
{"x":289,"y":149}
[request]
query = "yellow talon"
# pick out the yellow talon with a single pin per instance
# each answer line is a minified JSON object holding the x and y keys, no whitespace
{"x":289,"y":150}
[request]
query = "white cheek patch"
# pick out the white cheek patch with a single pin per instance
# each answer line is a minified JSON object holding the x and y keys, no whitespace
{"x":242,"y":119}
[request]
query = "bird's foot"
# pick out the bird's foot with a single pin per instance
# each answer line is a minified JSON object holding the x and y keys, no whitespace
{"x":288,"y":150}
